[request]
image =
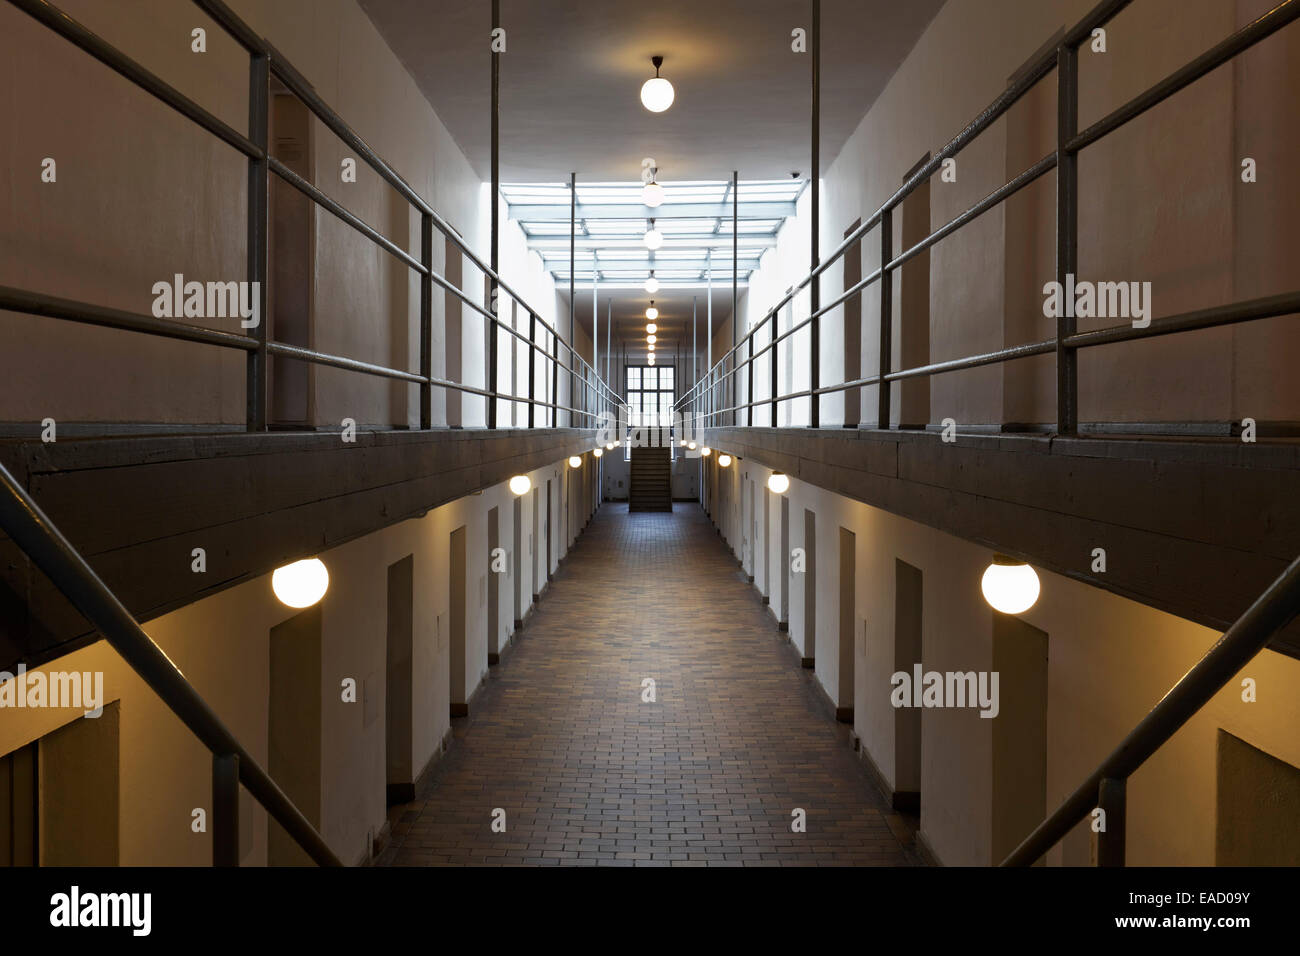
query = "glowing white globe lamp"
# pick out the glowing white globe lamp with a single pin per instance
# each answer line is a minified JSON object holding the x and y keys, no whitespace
{"x":302,"y":583}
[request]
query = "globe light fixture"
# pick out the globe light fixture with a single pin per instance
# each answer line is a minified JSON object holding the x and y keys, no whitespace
{"x":706,"y":451}
{"x":651,"y":347}
{"x":302,"y":583}
{"x":652,"y":328}
{"x":520,"y":484}
{"x":651,"y":313}
{"x":597,"y":452}
{"x":657,"y":94}
{"x":691,"y":445}
{"x":652,"y":194}
{"x":1009,"y":585}
{"x":652,"y":339}
{"x":609,"y":446}
{"x":724,"y":460}
{"x":651,"y":284}
{"x":778,"y":483}
{"x":653,"y":237}
{"x":650,"y":359}
{"x":575,"y":461}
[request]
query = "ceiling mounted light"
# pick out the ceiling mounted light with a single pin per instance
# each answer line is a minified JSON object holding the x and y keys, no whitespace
{"x":520,"y":484}
{"x":652,"y":194}
{"x":1009,"y":585}
{"x":724,"y":460}
{"x":778,"y":483}
{"x":651,"y":284}
{"x":575,"y":461}
{"x":651,"y":329}
{"x":302,"y":583}
{"x":653,"y":237}
{"x":657,"y":93}
{"x":652,"y":339}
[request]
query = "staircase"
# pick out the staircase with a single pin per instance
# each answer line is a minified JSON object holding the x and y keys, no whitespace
{"x":651,"y":488}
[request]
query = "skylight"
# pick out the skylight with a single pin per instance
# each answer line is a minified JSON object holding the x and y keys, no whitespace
{"x":695,"y":219}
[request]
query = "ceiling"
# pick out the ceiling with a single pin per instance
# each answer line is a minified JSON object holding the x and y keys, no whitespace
{"x":570,"y":81}
{"x":572,"y":72}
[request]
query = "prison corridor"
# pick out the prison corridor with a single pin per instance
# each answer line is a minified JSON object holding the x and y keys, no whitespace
{"x":570,"y":755}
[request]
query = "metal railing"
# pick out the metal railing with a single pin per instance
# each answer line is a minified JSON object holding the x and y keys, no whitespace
{"x":594,"y":395}
{"x":1106,"y":787}
{"x":34,"y":533}
{"x":714,"y":400}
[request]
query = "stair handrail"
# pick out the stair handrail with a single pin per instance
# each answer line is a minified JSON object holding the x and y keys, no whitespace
{"x":1273,"y":610}
{"x":38,"y":537}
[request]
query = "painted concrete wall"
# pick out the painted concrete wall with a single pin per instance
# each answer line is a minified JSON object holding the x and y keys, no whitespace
{"x":1109,"y":661}
{"x":142,"y":194}
{"x":221,"y":645}
{"x":1161,"y":200}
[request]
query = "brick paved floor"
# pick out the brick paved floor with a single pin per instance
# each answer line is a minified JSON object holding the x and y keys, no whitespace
{"x":706,"y":776}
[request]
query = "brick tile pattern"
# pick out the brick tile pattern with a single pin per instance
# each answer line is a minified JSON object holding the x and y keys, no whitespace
{"x":589,"y":774}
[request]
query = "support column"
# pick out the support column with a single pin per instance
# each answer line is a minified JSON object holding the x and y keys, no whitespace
{"x":815,"y":291}
{"x":493,"y":291}
{"x":259,"y":95}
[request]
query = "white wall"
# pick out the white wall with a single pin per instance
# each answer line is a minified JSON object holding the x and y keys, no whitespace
{"x":1109,"y":661}
{"x":221,"y":644}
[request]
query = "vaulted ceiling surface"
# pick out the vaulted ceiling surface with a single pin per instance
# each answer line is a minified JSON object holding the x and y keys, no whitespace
{"x":572,"y":72}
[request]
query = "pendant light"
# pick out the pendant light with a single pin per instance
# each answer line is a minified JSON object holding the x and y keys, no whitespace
{"x":657,"y":94}
{"x":653,"y":238}
{"x":651,"y":284}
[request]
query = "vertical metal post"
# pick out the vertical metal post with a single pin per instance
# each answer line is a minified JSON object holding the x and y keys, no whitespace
{"x":555,"y":378}
{"x":774,"y":392}
{"x":815,"y":289}
{"x":493,"y":331}
{"x":532,"y":369}
{"x":595,"y":334}
{"x":259,"y":123}
{"x":695,"y":362}
{"x":885,"y":389}
{"x":573,"y":239}
{"x":708,"y":321}
{"x":1067,"y":234}
{"x":1112,"y":800}
{"x":225,"y":810}
{"x":426,"y":321}
{"x":609,"y":341}
{"x":735,"y":295}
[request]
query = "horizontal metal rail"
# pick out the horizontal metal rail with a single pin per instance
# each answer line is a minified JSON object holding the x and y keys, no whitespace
{"x":698,"y":404}
{"x":33,"y":532}
{"x":1270,"y":612}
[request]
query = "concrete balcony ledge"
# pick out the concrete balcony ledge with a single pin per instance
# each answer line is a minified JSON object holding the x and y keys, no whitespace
{"x":137,"y":506}
{"x":1195,"y":527}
